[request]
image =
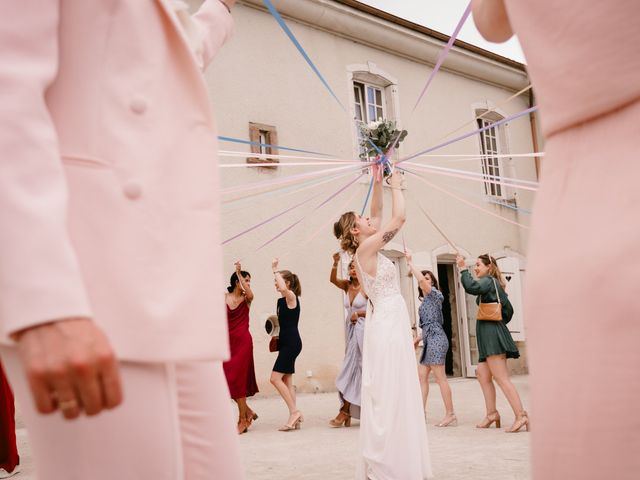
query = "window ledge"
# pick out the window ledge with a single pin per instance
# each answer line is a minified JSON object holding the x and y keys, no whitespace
{"x":505,"y":202}
{"x":268,"y":161}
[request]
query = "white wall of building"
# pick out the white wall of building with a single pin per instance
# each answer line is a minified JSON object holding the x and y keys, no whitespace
{"x":260,"y":77}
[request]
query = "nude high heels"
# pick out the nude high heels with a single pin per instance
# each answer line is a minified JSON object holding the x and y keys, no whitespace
{"x":449,"y":420}
{"x":343,"y":419}
{"x":489,"y":420}
{"x":293,"y":425}
{"x":522,"y":420}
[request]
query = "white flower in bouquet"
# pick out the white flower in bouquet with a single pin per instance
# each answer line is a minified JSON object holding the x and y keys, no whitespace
{"x":383,"y":134}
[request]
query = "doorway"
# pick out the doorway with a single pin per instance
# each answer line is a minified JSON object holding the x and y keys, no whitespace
{"x":454,"y":365}
{"x":459,"y":313}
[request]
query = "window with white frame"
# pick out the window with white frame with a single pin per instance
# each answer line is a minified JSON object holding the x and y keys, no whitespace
{"x":490,"y":149}
{"x":369,"y":103}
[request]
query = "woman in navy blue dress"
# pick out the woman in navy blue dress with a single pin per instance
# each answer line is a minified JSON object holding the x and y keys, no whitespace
{"x":435,"y":341}
{"x":289,"y":343}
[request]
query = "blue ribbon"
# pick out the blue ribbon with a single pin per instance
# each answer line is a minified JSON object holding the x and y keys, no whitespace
{"x":297,"y":44}
{"x":366,"y":200}
{"x":248,"y":142}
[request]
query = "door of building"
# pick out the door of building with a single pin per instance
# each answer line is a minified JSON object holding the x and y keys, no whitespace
{"x":467,"y":310}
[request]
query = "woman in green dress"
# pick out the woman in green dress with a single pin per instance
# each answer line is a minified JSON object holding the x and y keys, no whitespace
{"x":495,"y":344}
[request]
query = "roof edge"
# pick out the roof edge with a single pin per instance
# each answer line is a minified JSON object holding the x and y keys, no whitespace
{"x":376,"y":12}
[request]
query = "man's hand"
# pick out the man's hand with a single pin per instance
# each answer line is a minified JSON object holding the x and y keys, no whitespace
{"x":71,"y":367}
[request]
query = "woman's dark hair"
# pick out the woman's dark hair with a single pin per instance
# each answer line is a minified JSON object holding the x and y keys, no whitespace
{"x":234,"y":279}
{"x":351,"y":265}
{"x":294,"y":282}
{"x":434,"y":282}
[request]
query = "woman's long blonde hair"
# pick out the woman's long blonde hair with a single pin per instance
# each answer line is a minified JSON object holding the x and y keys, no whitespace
{"x":342,"y":231}
{"x":494,"y":270}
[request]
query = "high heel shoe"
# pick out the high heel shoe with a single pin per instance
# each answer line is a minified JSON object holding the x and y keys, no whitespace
{"x":522,"y":420}
{"x":449,"y":420}
{"x":489,"y":419}
{"x":294,"y":425}
{"x":251,"y":415}
{"x":343,"y":419}
{"x":243,"y":426}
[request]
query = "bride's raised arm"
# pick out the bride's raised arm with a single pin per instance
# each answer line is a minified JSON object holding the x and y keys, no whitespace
{"x":385,"y":234}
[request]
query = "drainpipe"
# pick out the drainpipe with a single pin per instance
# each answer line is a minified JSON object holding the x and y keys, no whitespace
{"x":534,"y":133}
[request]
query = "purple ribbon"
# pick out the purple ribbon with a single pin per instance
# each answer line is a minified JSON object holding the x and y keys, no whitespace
{"x":470,"y":134}
{"x":444,"y":53}
{"x":244,"y":232}
{"x":331,"y":197}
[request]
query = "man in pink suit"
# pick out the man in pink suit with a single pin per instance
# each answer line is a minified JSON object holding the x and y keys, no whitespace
{"x":110,"y":274}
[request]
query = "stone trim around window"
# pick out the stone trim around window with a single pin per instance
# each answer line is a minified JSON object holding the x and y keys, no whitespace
{"x":269,"y":135}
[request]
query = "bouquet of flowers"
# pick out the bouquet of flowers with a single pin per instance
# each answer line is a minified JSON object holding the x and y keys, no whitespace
{"x":381,"y":136}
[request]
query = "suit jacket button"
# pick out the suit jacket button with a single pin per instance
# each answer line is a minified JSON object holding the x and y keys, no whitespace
{"x":138,"y":106}
{"x":132,"y":190}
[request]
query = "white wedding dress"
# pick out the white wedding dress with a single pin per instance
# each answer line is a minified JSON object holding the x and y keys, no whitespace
{"x":393,"y":432}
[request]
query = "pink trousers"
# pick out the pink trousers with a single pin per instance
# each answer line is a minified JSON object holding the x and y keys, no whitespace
{"x":176,"y":423}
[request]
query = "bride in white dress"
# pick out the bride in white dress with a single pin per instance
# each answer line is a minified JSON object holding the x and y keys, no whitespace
{"x":393,"y":433}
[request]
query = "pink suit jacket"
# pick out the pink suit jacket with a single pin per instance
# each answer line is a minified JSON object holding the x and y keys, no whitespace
{"x":108,"y":173}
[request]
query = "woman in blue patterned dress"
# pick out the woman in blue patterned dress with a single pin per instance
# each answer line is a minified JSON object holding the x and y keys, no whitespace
{"x":434,"y":339}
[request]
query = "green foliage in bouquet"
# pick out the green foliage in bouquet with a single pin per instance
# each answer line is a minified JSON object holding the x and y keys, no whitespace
{"x":383,"y":134}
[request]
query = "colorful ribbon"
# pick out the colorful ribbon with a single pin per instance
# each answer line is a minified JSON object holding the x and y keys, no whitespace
{"x":239,"y":154}
{"x":478,"y":177}
{"x":289,"y":179}
{"x":248,"y":142}
{"x":466,"y":202}
{"x":482,"y":115}
{"x":250,"y":199}
{"x":444,"y":54}
{"x":331,"y":197}
{"x":366,"y":199}
{"x":270,"y":219}
{"x":435,"y":225}
{"x":297,"y":44}
{"x":470,"y":134}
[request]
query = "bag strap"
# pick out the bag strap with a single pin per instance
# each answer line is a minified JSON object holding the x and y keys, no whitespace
{"x":496,"y":287}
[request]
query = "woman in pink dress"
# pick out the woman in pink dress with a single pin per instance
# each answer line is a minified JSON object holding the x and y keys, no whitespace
{"x":582,"y":306}
{"x":239,"y":369}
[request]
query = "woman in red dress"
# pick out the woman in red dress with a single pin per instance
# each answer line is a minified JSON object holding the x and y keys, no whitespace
{"x":9,"y":459}
{"x":239,"y":370}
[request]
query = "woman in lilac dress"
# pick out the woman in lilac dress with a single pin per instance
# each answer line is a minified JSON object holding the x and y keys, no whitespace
{"x":349,"y":380}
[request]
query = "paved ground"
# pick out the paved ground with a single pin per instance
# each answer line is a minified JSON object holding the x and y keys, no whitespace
{"x":321,"y":453}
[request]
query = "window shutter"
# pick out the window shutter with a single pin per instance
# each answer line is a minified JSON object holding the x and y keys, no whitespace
{"x":510,"y":267}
